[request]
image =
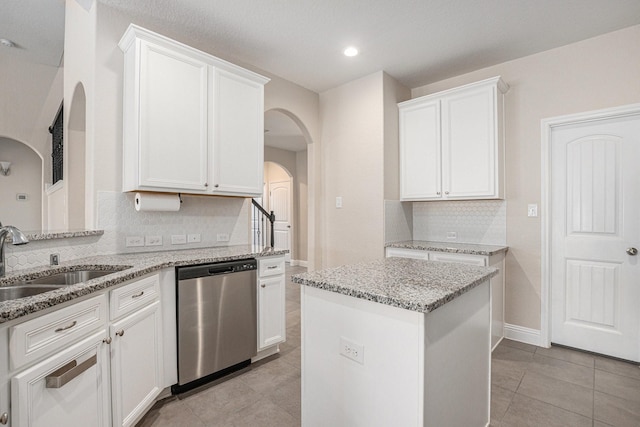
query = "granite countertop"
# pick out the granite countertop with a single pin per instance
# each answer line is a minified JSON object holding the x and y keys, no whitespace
{"x":451,"y":247}
{"x":134,"y":266}
{"x":411,"y":284}
{"x":48,"y":235}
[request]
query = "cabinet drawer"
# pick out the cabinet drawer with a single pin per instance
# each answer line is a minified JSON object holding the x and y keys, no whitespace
{"x":479,"y":260}
{"x":39,"y":337}
{"x":407,"y":253}
{"x":133,"y":296}
{"x":271,"y":266}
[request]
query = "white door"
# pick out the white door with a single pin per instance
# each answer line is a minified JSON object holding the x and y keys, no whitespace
{"x":280,"y":204}
{"x":595,"y":282}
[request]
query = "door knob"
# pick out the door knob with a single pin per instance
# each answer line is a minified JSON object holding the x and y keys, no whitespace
{"x":632,"y":251}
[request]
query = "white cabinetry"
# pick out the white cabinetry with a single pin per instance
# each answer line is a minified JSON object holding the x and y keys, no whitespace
{"x":67,"y":389}
{"x":192,"y":123}
{"x":497,"y":282}
{"x":271,"y":302}
{"x":59,"y":362}
{"x":136,"y":350}
{"x":451,"y":144}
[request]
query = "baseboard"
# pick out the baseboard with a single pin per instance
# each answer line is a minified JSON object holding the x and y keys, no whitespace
{"x":295,"y":262}
{"x":522,"y":334}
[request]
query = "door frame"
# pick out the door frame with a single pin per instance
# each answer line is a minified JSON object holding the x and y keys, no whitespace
{"x":547,"y":126}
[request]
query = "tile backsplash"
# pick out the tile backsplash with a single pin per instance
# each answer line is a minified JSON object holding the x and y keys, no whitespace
{"x":398,"y":221}
{"x":474,"y":221}
{"x":204,"y":215}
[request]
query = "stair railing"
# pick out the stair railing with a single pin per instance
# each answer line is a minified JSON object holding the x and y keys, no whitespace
{"x":258,"y":217}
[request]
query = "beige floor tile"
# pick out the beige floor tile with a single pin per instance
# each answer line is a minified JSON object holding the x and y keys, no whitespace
{"x":508,"y":365}
{"x":562,"y":394}
{"x":617,"y":385}
{"x":525,"y":412}
{"x":221,"y":400}
{"x":263,"y":413}
{"x":562,"y":370}
{"x":288,"y":397}
{"x":616,"y":411}
{"x":568,"y":355}
{"x":170,"y":413}
{"x":270,"y":376}
{"x":618,"y":367}
{"x":500,"y":400}
{"x":519,"y":345}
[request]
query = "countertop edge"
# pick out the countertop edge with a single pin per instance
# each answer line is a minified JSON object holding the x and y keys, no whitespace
{"x":457,"y":248}
{"x":15,"y":309}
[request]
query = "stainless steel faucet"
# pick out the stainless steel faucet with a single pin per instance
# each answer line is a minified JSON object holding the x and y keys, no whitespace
{"x":17,"y":238}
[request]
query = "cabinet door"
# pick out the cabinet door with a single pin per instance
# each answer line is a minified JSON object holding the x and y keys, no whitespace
{"x":420,"y":151}
{"x":238,"y":128}
{"x":271,"y":312}
{"x":469,"y":144}
{"x":80,"y":397}
{"x":136,"y":364}
{"x":173,"y":121}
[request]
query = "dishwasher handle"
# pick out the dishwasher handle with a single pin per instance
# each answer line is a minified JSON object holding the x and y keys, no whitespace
{"x":213,"y":271}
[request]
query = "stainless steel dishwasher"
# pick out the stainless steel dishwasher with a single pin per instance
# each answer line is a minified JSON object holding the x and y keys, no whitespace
{"x":216,"y":320}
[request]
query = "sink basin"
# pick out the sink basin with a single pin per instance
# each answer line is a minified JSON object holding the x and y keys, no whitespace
{"x":22,"y":291}
{"x":72,"y":277}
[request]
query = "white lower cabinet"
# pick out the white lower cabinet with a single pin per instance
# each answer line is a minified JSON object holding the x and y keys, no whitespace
{"x":70,"y":388}
{"x":136,"y":364}
{"x":271,"y":312}
{"x":271,"y":302}
{"x":497,"y":282}
{"x":77,"y":367}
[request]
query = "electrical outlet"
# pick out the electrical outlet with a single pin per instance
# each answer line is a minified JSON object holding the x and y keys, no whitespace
{"x":222,"y":237}
{"x":153,"y":241}
{"x":132,"y":241}
{"x":339,"y":202}
{"x":452,"y":235}
{"x":193,"y":238}
{"x":351,"y":350}
{"x":178,"y":239}
{"x":532,"y":210}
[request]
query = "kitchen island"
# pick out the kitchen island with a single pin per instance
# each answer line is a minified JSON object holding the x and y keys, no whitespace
{"x":396,"y":342}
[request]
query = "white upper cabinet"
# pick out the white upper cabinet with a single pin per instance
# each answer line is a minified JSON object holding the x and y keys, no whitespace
{"x":192,"y":123}
{"x":452,"y":144}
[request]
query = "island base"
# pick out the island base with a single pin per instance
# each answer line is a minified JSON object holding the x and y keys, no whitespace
{"x":371,"y":364}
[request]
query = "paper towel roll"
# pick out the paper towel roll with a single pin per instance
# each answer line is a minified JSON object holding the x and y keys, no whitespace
{"x":151,"y":202}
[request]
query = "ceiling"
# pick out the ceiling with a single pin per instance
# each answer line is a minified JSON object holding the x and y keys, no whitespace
{"x":415,"y":41}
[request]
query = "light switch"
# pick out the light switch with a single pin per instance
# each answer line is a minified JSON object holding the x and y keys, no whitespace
{"x":532,"y":210}
{"x":339,"y":202}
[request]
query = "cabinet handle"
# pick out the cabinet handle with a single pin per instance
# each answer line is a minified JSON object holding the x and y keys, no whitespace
{"x":216,"y":185}
{"x":438,"y":193}
{"x":4,"y":418}
{"x":446,"y":192}
{"x":138,"y":295}
{"x":120,"y":332}
{"x":66,"y":327}
{"x":271,"y":267}
{"x":60,"y":377}
{"x":107,"y":340}
{"x":206,"y":184}
{"x":263,"y":286}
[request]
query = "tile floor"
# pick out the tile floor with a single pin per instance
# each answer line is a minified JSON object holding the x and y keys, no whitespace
{"x":531,"y":386}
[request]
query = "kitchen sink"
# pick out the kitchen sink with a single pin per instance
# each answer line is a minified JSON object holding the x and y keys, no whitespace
{"x":72,"y":277}
{"x":22,"y":291}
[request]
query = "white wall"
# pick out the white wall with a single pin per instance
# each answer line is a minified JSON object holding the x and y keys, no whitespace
{"x":592,"y":74}
{"x":25,"y":177}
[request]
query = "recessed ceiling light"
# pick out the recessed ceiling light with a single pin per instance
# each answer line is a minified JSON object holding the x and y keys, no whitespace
{"x":7,"y":43}
{"x":351,"y":51}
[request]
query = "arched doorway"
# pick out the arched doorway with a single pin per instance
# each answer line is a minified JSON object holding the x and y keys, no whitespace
{"x":21,"y":187}
{"x":286,"y":142}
